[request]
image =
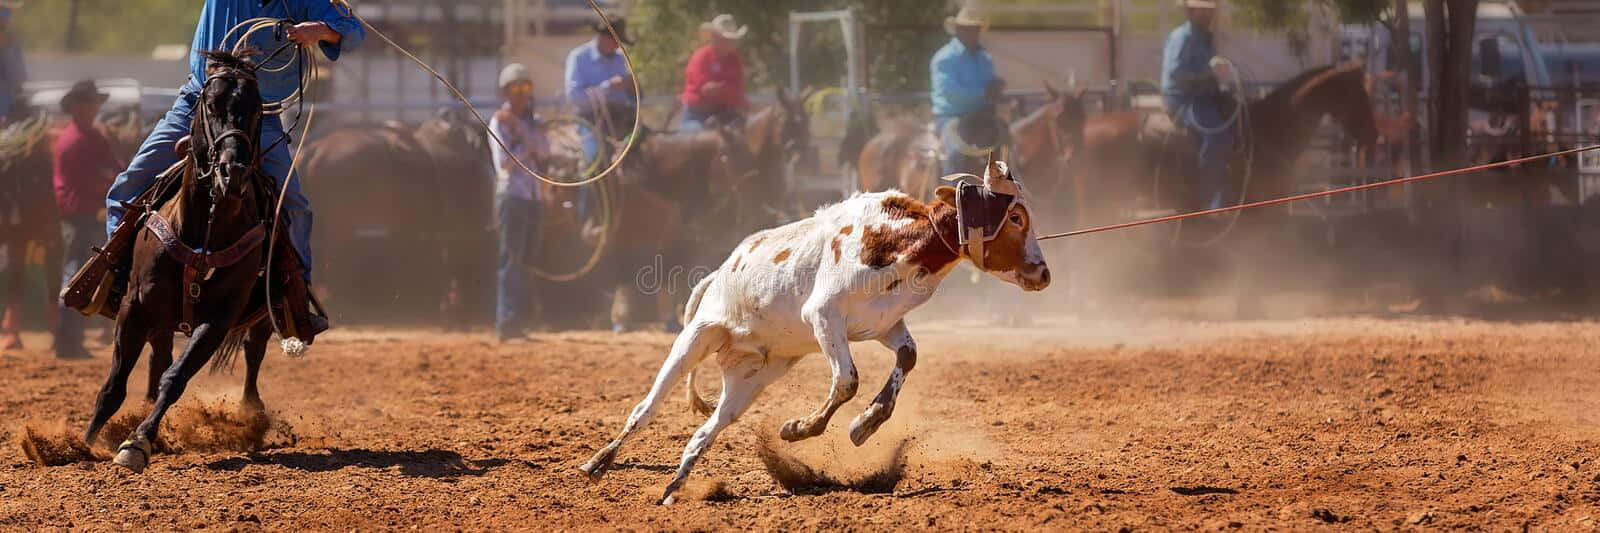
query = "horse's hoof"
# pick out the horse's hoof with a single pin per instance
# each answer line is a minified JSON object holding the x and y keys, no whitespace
{"x":133,"y":455}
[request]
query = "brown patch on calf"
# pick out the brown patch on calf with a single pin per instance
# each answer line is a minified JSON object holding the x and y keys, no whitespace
{"x":904,"y":207}
{"x":837,"y":253}
{"x":735,"y":267}
{"x":781,"y":256}
{"x":917,"y":242}
{"x":847,"y":230}
{"x":757,"y":242}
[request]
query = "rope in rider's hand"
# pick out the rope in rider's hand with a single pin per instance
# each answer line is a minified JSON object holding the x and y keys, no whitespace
{"x":632,"y":77}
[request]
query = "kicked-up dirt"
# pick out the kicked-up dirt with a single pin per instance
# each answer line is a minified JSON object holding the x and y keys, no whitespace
{"x":1345,"y":423}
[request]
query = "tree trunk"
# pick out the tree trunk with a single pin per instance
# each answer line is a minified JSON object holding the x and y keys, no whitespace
{"x":1434,"y":31}
{"x":1457,"y":74}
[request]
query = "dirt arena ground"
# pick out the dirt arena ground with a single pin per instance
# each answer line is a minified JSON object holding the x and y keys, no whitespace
{"x":1340,"y":423}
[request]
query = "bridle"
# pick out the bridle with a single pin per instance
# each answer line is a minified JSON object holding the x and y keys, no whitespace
{"x":208,"y":169}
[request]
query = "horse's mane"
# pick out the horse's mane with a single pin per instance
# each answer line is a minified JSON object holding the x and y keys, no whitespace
{"x":227,"y":60}
{"x":1288,"y":91}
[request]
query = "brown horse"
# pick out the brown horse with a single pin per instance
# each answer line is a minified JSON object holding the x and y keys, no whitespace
{"x":27,"y":217}
{"x":391,"y":176}
{"x":906,"y":156}
{"x":779,"y":138}
{"x":1125,"y":165}
{"x":1122,"y":158}
{"x":197,"y":262}
{"x":679,"y":203}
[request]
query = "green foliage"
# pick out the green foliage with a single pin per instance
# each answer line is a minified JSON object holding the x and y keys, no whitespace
{"x":1293,"y":18}
{"x":108,"y":26}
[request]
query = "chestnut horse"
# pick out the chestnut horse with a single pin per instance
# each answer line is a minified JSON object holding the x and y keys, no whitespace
{"x":27,"y":217}
{"x":1125,"y":165}
{"x":906,"y":156}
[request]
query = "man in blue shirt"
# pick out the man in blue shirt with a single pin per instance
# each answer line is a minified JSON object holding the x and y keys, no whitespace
{"x":12,"y":70}
{"x":964,"y":83}
{"x":316,"y":23}
{"x":1195,"y":100}
{"x":598,"y":85}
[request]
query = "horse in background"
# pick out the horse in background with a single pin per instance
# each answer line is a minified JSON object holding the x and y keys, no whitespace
{"x":779,"y":138}
{"x":1126,"y":163}
{"x":905,"y":156}
{"x":28,"y":218}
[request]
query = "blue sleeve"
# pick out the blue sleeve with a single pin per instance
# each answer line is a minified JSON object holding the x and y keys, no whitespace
{"x":351,"y":33}
{"x":1179,"y":59}
{"x":946,"y":79}
{"x":574,"y":79}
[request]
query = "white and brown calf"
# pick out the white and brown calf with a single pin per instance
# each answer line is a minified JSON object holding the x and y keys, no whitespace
{"x":848,"y":273}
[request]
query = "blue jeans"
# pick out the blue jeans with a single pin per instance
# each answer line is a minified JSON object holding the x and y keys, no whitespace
{"x":79,"y":234}
{"x":156,"y":155}
{"x":694,"y":118}
{"x":1204,"y":116}
{"x":515,"y":218}
{"x":951,"y":160}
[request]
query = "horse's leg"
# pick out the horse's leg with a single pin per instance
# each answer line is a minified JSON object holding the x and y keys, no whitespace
{"x":135,"y":453}
{"x":132,"y":331}
{"x":255,"y":351}
{"x":160,"y":361}
{"x":11,"y":271}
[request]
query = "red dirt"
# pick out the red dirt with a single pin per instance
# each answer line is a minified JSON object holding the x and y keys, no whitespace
{"x":1348,"y":423}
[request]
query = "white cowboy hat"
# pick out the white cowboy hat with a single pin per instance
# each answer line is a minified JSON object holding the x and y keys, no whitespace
{"x":725,"y":26}
{"x":1198,"y":4}
{"x":966,"y":17}
{"x":513,"y":73}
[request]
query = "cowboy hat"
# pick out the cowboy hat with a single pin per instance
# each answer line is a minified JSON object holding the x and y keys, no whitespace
{"x":599,"y":27}
{"x":725,"y":26}
{"x":81,"y":90}
{"x":966,"y":17}
{"x":1198,"y":4}
{"x":513,"y":73}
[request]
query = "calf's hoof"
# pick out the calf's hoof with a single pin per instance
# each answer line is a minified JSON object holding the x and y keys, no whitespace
{"x":667,"y":500}
{"x":795,"y":430}
{"x":601,"y":462}
{"x":133,"y":455}
{"x":868,"y":422}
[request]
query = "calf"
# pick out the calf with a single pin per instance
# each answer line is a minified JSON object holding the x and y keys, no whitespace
{"x":848,"y":273}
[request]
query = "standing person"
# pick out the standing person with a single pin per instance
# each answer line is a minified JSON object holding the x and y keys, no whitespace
{"x":964,"y":83}
{"x":317,"y":24}
{"x":599,"y":87}
{"x":516,"y":196}
{"x":84,"y":165}
{"x":12,"y":70}
{"x":713,"y":82}
{"x":1195,"y":100}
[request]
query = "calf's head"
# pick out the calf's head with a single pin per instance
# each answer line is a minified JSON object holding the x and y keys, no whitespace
{"x":998,"y":232}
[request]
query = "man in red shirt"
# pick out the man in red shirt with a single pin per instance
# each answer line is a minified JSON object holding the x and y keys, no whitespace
{"x":84,"y":167}
{"x":713,"y":83}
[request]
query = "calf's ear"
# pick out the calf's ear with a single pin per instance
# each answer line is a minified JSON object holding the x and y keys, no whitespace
{"x":946,"y":195}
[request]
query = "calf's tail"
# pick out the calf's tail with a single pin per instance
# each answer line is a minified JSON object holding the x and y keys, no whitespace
{"x":698,"y":404}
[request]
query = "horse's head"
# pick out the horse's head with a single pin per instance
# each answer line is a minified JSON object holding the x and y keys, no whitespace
{"x":794,"y":129}
{"x":1341,"y":92}
{"x":733,"y":164}
{"x":1069,"y":114}
{"x":227,"y":124}
{"x":997,"y":226}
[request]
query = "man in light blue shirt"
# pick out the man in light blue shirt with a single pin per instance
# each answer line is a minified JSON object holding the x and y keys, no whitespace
{"x":1195,"y":101}
{"x":964,"y":83}
{"x":598,"y":85}
{"x":12,"y":70}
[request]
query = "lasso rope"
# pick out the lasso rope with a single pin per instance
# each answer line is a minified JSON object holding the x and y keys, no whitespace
{"x":628,"y":147}
{"x":1321,"y":194}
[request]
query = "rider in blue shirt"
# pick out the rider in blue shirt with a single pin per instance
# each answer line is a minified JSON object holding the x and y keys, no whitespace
{"x":315,"y":23}
{"x":964,"y":82}
{"x":1195,"y":100}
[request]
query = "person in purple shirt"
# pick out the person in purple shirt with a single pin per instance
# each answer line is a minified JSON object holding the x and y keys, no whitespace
{"x":314,"y":23}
